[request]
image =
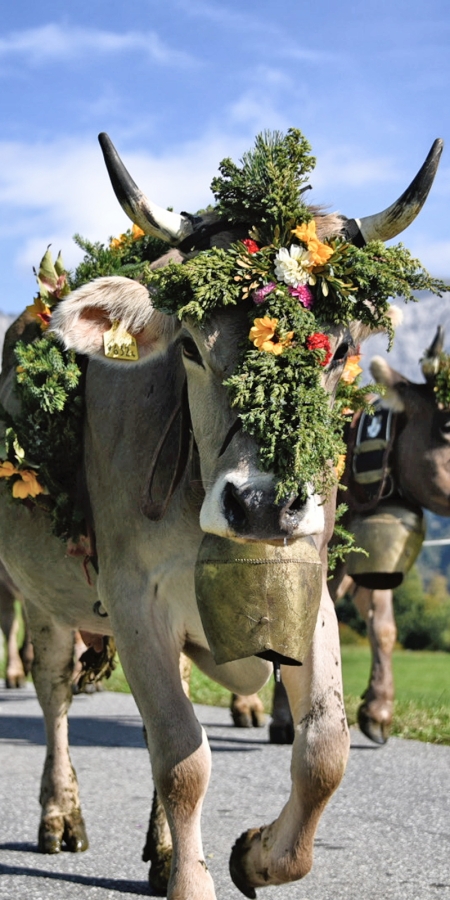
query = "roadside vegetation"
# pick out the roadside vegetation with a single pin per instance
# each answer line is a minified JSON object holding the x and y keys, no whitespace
{"x":422,"y":684}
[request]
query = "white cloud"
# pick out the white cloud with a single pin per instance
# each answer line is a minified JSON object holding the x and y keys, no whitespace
{"x":53,"y":42}
{"x":435,"y":255}
{"x":345,"y":166}
{"x":49,"y":192}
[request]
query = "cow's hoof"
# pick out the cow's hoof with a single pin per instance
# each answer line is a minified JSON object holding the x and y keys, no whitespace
{"x":281,"y":734}
{"x":258,"y":718}
{"x":378,"y":732}
{"x":16,"y":681}
{"x":237,"y":869}
{"x":241,"y":719}
{"x":50,"y":835}
{"x":159,"y":875}
{"x":74,"y":835}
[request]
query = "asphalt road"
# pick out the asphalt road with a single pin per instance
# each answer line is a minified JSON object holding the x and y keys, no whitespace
{"x":385,"y":834}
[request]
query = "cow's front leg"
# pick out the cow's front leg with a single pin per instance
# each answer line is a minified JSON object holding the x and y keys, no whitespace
{"x":158,"y":843}
{"x":375,"y":713}
{"x":283,"y":851}
{"x":179,"y":750}
{"x":61,"y":818}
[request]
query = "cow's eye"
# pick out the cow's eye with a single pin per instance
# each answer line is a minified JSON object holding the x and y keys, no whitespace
{"x":340,"y":353}
{"x":190,"y":351}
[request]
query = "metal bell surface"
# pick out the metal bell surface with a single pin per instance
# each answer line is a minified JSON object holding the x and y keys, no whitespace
{"x":258,"y":598}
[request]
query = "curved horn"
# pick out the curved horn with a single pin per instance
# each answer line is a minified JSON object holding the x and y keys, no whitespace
{"x":387,"y":224}
{"x":430,"y":360}
{"x":169,"y":226}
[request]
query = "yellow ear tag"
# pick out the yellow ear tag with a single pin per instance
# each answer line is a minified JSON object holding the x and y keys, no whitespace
{"x":119,"y":344}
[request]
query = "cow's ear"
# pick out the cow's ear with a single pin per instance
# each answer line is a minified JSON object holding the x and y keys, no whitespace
{"x":82,"y":319}
{"x":395,"y":384}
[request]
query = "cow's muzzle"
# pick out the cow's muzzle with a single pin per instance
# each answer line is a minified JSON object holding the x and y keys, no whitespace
{"x":252,"y":512}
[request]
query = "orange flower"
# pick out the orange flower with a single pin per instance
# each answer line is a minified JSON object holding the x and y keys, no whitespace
{"x":263,"y":335}
{"x":40,"y":312}
{"x":7,"y":469}
{"x":351,"y":369}
{"x":116,"y":243}
{"x":306,"y":232}
{"x":320,"y":252}
{"x":28,"y":486}
{"x":137,"y":232}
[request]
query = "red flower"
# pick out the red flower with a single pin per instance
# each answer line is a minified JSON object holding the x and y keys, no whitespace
{"x":319,"y":341}
{"x":252,"y":246}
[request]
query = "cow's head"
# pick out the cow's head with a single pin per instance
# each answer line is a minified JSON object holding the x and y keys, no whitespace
{"x":422,"y":446}
{"x":240,"y":497}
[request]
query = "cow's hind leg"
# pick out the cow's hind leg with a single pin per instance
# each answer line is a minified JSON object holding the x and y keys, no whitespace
{"x":247,"y":710}
{"x":375,"y":713}
{"x":283,"y":851}
{"x":10,"y":624}
{"x":61,"y":818}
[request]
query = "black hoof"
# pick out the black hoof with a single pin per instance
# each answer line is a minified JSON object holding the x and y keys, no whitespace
{"x":50,"y":836}
{"x":237,"y":870}
{"x":159,"y":875}
{"x":281,"y":734}
{"x":378,"y":732}
{"x":258,"y":719}
{"x":74,"y":835}
{"x":241,"y":720}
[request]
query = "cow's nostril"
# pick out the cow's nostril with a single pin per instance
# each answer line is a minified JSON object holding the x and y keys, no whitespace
{"x":235,"y":512}
{"x":295,"y":505}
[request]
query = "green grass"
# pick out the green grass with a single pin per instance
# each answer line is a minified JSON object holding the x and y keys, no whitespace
{"x":422,"y":684}
{"x":422,"y":691}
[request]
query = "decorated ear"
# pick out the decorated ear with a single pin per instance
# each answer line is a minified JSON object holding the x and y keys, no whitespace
{"x":394,"y":383}
{"x":112,"y":319}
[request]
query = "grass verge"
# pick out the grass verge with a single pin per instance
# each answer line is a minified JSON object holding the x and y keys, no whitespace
{"x":422,"y":687}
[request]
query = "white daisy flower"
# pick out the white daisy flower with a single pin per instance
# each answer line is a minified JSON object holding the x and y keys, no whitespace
{"x":292,"y":266}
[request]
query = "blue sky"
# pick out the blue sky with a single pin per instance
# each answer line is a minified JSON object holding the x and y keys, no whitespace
{"x":180,"y":84}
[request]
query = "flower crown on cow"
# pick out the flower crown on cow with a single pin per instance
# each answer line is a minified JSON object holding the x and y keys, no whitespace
{"x":295,"y":279}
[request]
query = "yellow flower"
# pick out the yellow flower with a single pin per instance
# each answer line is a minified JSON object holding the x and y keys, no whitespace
{"x":340,"y":466}
{"x":41,"y":312}
{"x":7,"y":469}
{"x":263,"y":332}
{"x":320,"y":252}
{"x":116,"y":243}
{"x":28,"y":486}
{"x":351,"y":369}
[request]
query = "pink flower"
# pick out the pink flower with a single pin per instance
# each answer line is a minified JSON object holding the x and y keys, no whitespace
{"x":261,"y":293}
{"x":303,"y":294}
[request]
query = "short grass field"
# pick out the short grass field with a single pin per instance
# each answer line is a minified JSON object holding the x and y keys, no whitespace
{"x":422,"y":682}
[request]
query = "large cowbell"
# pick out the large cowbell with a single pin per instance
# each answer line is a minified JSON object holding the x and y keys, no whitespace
{"x":258,"y":599}
{"x":392,"y":536}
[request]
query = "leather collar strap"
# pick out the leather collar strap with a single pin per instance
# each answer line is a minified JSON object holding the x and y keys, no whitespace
{"x":177,"y":435}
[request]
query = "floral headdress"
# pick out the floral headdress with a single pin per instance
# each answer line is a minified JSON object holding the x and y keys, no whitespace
{"x":298,"y":284}
{"x":295,"y":281}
